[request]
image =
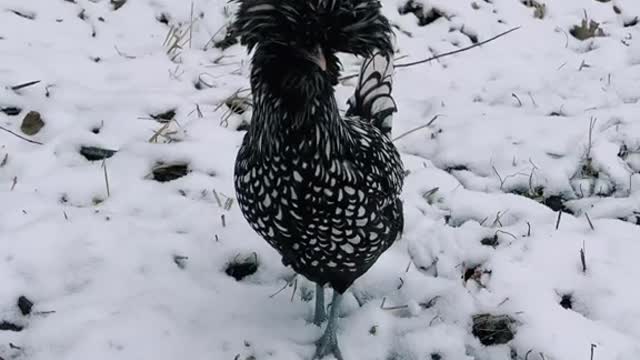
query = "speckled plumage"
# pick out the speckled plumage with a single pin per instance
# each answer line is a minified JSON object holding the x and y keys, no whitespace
{"x":320,"y":188}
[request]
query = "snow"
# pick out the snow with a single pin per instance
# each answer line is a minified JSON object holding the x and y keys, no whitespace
{"x":99,"y":262}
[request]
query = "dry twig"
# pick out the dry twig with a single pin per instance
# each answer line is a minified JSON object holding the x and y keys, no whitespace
{"x":459,"y":50}
{"x":443,"y":54}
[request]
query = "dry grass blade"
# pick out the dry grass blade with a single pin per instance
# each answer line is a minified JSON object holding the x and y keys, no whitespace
{"x":592,"y":125}
{"x":165,"y":133}
{"x":177,"y":38}
{"x":191,"y":22}
{"x":292,"y":282}
{"x":589,"y":220}
{"x":25,"y":85}
{"x":506,"y":233}
{"x":126,"y":56}
{"x":498,"y":220}
{"x":106,"y":177}
{"x":156,"y":135}
{"x":424,"y":305}
{"x":23,"y":14}
{"x":433,"y":119}
{"x":459,"y":50}
{"x":215,"y":195}
{"x":20,"y":136}
{"x":228,"y":204}
{"x":236,"y":104}
{"x":583,"y":258}
{"x":429,"y":193}
{"x":286,"y":285}
{"x":212,"y":37}
{"x":295,"y":289}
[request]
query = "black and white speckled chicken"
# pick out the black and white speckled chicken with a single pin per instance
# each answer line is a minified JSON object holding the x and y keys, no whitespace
{"x":321,"y":188}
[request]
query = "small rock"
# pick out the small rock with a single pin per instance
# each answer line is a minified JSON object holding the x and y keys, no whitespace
{"x":180,"y":261}
{"x":632,"y":22}
{"x":475,"y":272}
{"x":32,"y":123}
{"x":493,"y":329}
{"x":164,"y":18}
{"x":243,"y":126}
{"x":491,"y":241}
{"x":237,"y":104}
{"x":117,"y":4}
{"x":567,"y":301}
{"x":93,"y":153}
{"x":25,"y":305}
{"x":373,"y":330}
{"x":11,"y":111}
{"x":165,"y":173}
{"x":165,"y":116}
{"x":425,"y":17}
{"x":557,"y":203}
{"x":452,"y":168}
{"x":7,"y":326}
{"x":554,"y":202}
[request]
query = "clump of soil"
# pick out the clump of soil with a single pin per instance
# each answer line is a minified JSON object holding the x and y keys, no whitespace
{"x":240,"y":268}
{"x":493,"y":329}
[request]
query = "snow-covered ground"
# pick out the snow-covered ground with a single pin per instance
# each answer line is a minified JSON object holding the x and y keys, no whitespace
{"x":121,"y":266}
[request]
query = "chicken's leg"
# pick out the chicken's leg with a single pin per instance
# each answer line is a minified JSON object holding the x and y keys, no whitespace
{"x":328,"y":343}
{"x":320,"y":314}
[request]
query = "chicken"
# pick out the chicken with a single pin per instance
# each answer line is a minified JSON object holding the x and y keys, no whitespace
{"x":321,"y":188}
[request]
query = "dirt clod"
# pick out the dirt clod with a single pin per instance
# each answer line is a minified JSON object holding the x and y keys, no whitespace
{"x":493,"y":329}
{"x":240,"y":268}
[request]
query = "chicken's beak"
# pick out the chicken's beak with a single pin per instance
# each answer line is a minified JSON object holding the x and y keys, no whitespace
{"x":317,"y":56}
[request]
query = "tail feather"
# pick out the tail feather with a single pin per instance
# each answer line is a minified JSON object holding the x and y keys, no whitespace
{"x":372,"y":98}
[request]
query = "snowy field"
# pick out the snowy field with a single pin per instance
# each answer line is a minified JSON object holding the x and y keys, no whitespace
{"x":121,"y":264}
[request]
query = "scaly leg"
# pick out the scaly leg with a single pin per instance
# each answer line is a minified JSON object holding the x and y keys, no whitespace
{"x":328,"y":343}
{"x":320,"y":314}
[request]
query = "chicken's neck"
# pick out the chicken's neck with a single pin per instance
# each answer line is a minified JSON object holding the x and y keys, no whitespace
{"x":294,"y":106}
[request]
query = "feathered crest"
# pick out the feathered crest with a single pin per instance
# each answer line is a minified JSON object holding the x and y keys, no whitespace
{"x":351,"y":26}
